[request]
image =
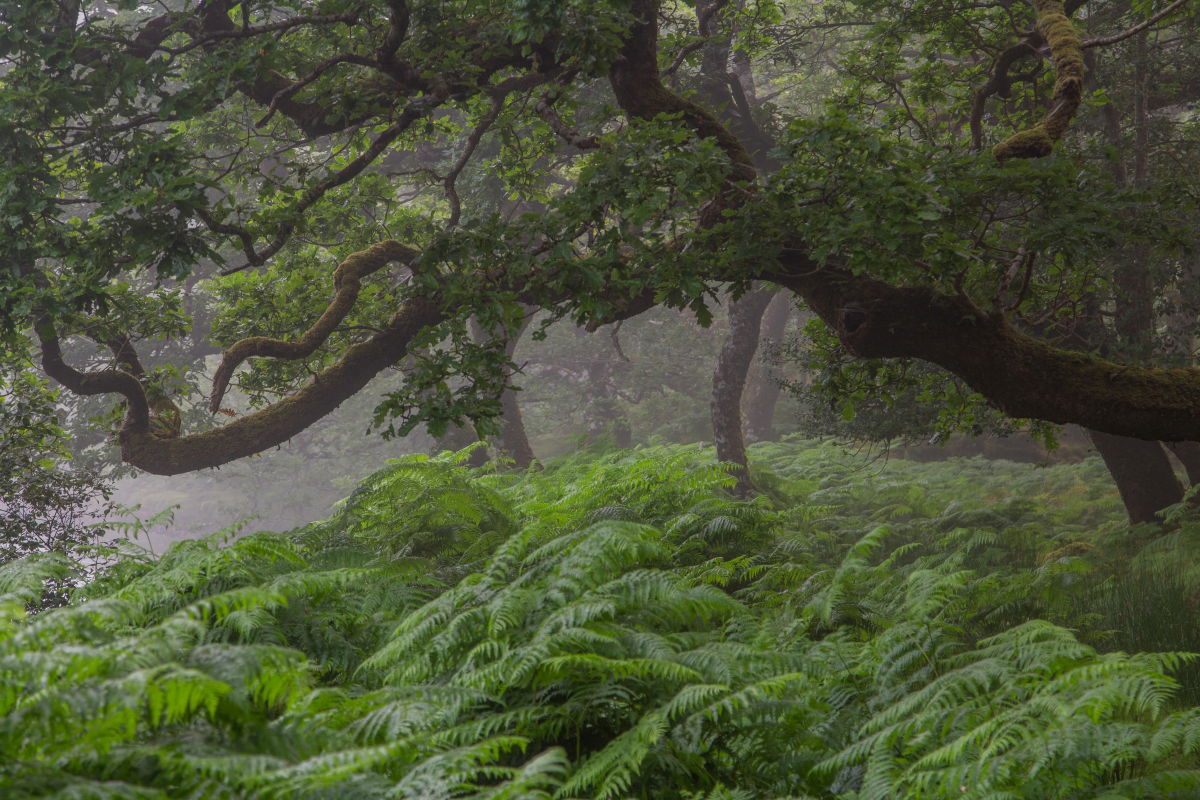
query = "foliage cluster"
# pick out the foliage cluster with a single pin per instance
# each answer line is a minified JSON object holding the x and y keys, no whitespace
{"x":46,"y":504}
{"x":616,"y":627}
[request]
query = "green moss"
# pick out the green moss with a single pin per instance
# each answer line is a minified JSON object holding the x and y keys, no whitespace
{"x":1066,"y":50}
{"x":1032,"y":143}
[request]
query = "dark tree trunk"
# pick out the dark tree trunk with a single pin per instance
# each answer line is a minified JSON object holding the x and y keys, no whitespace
{"x":1143,"y":474}
{"x":456,"y":438}
{"x":511,"y":442}
{"x":1142,"y":469}
{"x":1188,"y":454}
{"x":729,"y":380}
{"x":605,"y":419}
{"x":763,"y":391}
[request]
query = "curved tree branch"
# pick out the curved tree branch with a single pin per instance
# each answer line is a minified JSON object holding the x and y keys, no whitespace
{"x":1019,"y":374}
{"x":108,"y":381}
{"x":999,"y":83}
{"x":282,"y":420}
{"x":1066,"y":51}
{"x":347,"y":280}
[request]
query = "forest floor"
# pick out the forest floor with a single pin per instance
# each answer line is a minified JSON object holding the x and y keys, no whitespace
{"x":617,"y":625}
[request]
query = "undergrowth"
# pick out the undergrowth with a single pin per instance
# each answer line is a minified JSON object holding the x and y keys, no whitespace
{"x":619,"y":626}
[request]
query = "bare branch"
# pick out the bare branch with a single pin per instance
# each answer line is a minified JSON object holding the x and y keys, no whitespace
{"x":1136,"y":29}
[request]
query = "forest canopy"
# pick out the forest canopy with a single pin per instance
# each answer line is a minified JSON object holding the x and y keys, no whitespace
{"x":321,"y":191}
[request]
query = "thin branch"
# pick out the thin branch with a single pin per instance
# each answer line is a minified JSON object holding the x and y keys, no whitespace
{"x":1136,"y":29}
{"x":545,"y":109}
{"x":473,"y":140}
{"x":414,"y":111}
{"x":290,"y":91}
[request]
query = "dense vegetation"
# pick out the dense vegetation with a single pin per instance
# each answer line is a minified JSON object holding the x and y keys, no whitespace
{"x":237,"y":227}
{"x":617,"y":626}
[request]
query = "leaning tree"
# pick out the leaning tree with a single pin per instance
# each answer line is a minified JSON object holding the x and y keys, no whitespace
{"x":375,"y":183}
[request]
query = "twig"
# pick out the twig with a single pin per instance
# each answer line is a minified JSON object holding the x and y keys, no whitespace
{"x":1136,"y":29}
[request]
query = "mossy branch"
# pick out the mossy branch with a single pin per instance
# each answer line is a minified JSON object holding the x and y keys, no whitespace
{"x":347,"y":280}
{"x":1066,"y":52}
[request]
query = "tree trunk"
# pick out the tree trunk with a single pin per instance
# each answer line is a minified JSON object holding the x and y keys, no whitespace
{"x":1141,"y":469}
{"x":1143,"y":474}
{"x":456,"y":438}
{"x":729,"y":379}
{"x":605,"y":420}
{"x":1188,"y":454}
{"x":511,"y":442}
{"x":763,"y":391}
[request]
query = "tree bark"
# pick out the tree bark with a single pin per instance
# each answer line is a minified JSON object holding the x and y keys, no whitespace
{"x":1019,"y":374}
{"x":604,"y":418}
{"x":764,"y":390}
{"x":456,"y":438}
{"x":512,"y":442}
{"x":1188,"y":454}
{"x":729,"y":380}
{"x":1141,"y":469}
{"x":1143,"y":474}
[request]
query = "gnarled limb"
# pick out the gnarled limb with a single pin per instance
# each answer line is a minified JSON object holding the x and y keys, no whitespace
{"x":287,"y":417}
{"x":1019,"y":374}
{"x":108,"y":381}
{"x":347,"y":280}
{"x":1000,"y":83}
{"x":1066,"y":51}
